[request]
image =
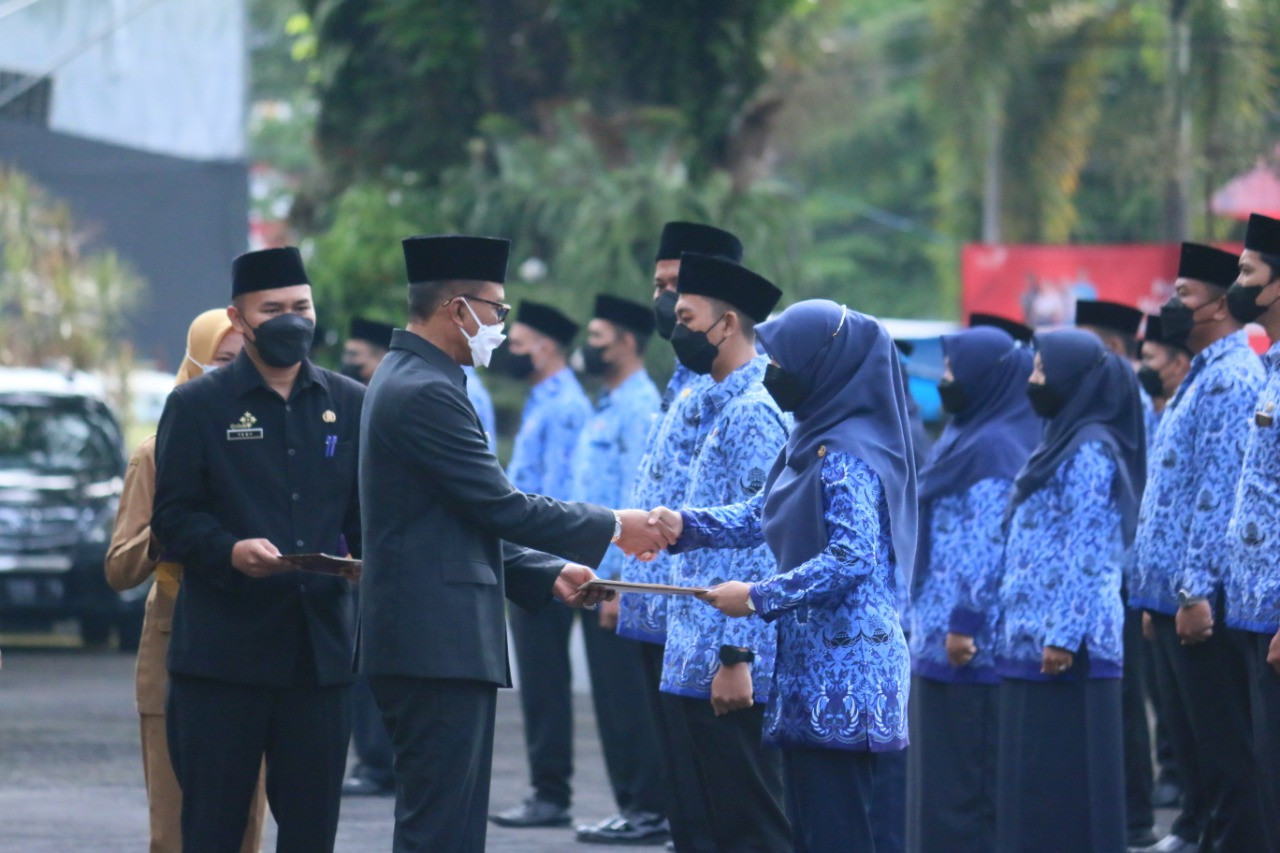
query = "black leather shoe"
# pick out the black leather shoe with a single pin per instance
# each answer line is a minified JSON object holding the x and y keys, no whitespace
{"x":532,"y":813}
{"x":358,"y":786}
{"x":1141,"y":838}
{"x":639,"y":828}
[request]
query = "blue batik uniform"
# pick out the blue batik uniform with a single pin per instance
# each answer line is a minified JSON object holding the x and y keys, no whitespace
{"x":1253,"y":576}
{"x":1194,"y":468}
{"x":1061,"y":580}
{"x":662,"y":480}
{"x":842,"y":671}
{"x":542,"y":458}
{"x":609,"y":448}
{"x":958,"y":591}
{"x":483,"y":404}
{"x":740,"y":432}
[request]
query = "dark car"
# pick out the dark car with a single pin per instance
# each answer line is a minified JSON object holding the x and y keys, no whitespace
{"x":62,"y":465}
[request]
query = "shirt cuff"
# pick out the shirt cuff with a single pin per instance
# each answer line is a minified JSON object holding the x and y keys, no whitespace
{"x":965,"y":621}
{"x":692,"y":535}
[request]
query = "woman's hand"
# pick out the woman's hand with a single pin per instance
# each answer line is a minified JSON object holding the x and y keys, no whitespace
{"x":1056,"y":661}
{"x":732,"y":598}
{"x":960,"y":649}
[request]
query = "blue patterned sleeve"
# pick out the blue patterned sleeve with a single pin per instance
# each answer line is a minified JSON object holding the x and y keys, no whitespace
{"x":1088,"y":553}
{"x":977,"y":569}
{"x":852,"y":495}
{"x":1222,"y":418}
{"x":733,"y":526}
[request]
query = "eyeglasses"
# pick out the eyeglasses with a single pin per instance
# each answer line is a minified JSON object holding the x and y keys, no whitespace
{"x":501,"y":309}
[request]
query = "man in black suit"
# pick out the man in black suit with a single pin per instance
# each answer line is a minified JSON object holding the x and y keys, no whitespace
{"x":446,"y":537}
{"x":253,"y":461}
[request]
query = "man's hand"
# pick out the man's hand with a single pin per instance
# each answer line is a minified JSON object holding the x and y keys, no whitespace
{"x":732,"y":598}
{"x":731,"y":688}
{"x":1195,"y":623}
{"x":1148,"y":627}
{"x":641,"y":537}
{"x":960,"y":649}
{"x":568,"y":587}
{"x":608,"y":613}
{"x":258,"y":558}
{"x":1056,"y":661}
{"x":1273,"y":653}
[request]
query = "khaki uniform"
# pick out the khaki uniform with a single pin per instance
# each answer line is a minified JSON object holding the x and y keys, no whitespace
{"x":131,"y":559}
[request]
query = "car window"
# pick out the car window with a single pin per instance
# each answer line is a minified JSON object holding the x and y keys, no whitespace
{"x":55,"y":437}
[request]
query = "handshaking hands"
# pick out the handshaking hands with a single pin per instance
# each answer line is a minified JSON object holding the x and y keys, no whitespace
{"x":646,"y":534}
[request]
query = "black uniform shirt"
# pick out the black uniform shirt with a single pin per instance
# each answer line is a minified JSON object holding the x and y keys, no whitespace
{"x":235,"y":461}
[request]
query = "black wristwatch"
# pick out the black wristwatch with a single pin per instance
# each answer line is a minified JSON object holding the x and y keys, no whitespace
{"x":730,"y":655}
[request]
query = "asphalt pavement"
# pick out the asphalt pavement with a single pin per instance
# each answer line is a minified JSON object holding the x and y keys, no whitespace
{"x":71,"y":775}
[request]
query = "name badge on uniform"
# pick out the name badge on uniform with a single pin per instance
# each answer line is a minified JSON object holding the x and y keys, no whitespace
{"x":244,"y":429}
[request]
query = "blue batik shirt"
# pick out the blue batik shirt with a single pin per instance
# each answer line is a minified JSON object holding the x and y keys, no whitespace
{"x":662,"y":480}
{"x":609,"y":450}
{"x":483,"y":404}
{"x":1193,"y":470}
{"x":1062,"y":567}
{"x":957,"y":592}
{"x":1253,"y":571}
{"x":542,"y":458}
{"x":740,"y":433}
{"x":842,"y":673}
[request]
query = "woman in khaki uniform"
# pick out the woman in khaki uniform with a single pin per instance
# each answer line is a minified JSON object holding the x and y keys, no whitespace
{"x":131,"y":559}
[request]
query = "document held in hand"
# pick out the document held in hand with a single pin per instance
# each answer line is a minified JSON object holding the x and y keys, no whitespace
{"x":325,"y":564}
{"x":645,"y":588}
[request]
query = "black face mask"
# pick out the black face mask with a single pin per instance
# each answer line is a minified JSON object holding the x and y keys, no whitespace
{"x":593,"y":360}
{"x":285,"y":340}
{"x":953,"y":397}
{"x":1242,"y":302}
{"x":664,"y":311}
{"x":786,"y":388}
{"x":353,"y":371}
{"x":1044,"y":400}
{"x":1151,"y":382}
{"x":505,"y":362}
{"x":694,"y":349}
{"x":1177,"y":320}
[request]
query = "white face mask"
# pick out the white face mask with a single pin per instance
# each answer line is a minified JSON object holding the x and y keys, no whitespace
{"x":484,"y":341}
{"x":206,"y":368}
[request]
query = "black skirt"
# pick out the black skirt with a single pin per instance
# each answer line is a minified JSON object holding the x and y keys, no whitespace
{"x":951,"y":792}
{"x":1060,"y":772}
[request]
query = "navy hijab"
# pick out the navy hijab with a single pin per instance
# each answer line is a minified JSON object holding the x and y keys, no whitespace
{"x":856,"y":405}
{"x":996,"y":431}
{"x":1101,"y":403}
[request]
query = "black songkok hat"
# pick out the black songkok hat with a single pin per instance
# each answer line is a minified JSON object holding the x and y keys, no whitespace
{"x":1154,"y":333}
{"x":1018,"y":331}
{"x":548,"y":321}
{"x":1112,"y":316}
{"x":267,"y":269}
{"x":1263,"y":234}
{"x":751,"y":293}
{"x":1207,"y":264}
{"x":623,"y":312}
{"x":681,"y":237}
{"x":371,"y":331}
{"x":456,"y":258}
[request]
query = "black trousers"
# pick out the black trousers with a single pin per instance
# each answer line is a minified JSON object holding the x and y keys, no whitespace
{"x":829,"y":799}
{"x":1060,"y":771}
{"x":1167,"y":659}
{"x":442,"y":734}
{"x":889,"y":801}
{"x":1212,"y":680}
{"x":951,"y":798}
{"x":541,"y":642}
{"x":740,"y":777}
{"x":1264,"y":705}
{"x":1139,"y":779}
{"x":369,"y":736}
{"x":685,"y":804}
{"x":218,"y":734}
{"x":627,"y":734}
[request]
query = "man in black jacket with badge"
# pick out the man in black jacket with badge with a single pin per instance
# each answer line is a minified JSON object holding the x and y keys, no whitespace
{"x":254,"y":461}
{"x":447,"y":537}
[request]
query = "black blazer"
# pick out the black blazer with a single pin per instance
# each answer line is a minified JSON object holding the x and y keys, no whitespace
{"x":234,"y":461}
{"x":445,"y":533}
